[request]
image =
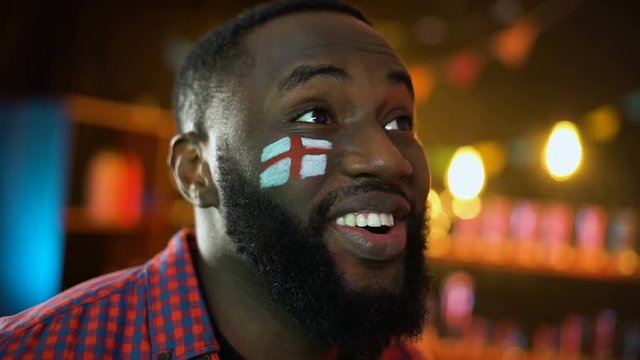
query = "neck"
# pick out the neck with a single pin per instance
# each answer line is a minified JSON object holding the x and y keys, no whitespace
{"x":251,"y":322}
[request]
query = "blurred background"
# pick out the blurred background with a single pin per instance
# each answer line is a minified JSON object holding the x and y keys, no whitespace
{"x":529,"y":111}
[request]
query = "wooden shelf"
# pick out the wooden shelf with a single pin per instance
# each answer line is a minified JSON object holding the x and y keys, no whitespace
{"x":78,"y":222}
{"x":434,"y":347}
{"x":134,"y":118}
{"x":563,"y":262}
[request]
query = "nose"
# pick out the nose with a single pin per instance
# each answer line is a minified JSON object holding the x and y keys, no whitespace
{"x":369,"y":152}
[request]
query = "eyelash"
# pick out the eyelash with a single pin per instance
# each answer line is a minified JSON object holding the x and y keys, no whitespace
{"x":406,"y":118}
{"x":325,"y":111}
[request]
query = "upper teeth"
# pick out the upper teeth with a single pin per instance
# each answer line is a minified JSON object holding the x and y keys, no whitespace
{"x":366,"y":219}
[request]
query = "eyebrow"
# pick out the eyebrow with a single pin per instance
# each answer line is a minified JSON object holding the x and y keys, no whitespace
{"x":401,"y":77}
{"x":305,"y":73}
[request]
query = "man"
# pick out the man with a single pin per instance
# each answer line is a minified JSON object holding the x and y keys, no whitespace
{"x":297,"y":150}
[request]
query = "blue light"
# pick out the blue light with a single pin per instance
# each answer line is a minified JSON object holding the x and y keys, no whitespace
{"x":631,"y":106}
{"x":33,"y":164}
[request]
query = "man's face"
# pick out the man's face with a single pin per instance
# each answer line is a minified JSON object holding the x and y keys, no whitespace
{"x":328,"y":76}
{"x":331,"y":87}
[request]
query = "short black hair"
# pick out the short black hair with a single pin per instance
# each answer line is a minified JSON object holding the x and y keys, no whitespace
{"x":206,"y":68}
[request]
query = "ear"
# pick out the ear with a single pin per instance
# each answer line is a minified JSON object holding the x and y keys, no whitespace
{"x":192,"y":172}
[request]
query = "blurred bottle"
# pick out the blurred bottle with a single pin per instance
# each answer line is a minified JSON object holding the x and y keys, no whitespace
{"x":572,"y":334}
{"x":622,"y":241}
{"x":623,"y":231}
{"x":457,"y":302}
{"x":631,"y":347}
{"x":604,"y":333}
{"x":556,"y":230}
{"x":495,"y":229}
{"x":465,"y":237}
{"x":544,"y":345}
{"x":114,"y":189}
{"x":524,"y":224}
{"x":591,"y":227}
{"x":510,"y":339}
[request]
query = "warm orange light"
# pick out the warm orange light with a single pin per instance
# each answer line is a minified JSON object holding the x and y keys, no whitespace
{"x":439,"y":245}
{"x":603,"y":124}
{"x":445,"y":199}
{"x":423,"y":82}
{"x":628,"y":262}
{"x":440,"y":225}
{"x":434,"y":202}
{"x":513,"y":45}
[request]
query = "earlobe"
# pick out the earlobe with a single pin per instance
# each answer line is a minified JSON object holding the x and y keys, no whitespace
{"x":191,"y":171}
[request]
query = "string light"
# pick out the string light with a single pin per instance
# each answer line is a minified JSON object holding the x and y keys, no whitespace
{"x":563,"y":152}
{"x":466,"y":175}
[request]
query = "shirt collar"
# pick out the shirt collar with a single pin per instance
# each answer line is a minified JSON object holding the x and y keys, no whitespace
{"x":179,"y":322}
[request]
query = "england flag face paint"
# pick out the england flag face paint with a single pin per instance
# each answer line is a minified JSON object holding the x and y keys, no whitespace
{"x":291,"y":158}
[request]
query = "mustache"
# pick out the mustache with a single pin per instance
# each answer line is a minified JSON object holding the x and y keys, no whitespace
{"x":363,"y":187}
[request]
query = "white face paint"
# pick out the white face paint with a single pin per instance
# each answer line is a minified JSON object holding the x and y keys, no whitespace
{"x":293,"y":157}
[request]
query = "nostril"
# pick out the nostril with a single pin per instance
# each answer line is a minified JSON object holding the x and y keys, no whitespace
{"x":407,"y":168}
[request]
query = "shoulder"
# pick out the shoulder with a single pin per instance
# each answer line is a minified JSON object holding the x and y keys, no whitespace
{"x":403,"y":351}
{"x":75,"y":311}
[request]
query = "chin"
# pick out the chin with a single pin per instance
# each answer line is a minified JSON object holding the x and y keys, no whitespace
{"x":363,"y":275}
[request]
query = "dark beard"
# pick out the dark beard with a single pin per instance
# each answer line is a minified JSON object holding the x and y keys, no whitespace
{"x":298,"y":272}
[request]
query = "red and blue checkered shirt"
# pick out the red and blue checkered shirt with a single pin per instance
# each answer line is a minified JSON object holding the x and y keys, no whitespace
{"x":153,"y":311}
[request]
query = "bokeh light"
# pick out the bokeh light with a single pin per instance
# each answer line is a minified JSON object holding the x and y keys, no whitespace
{"x":445,"y":199}
{"x":457,"y":300}
{"x":563,"y":152}
{"x":628,"y":262}
{"x":467,"y":209}
{"x":514,"y":44}
{"x":434,"y":202}
{"x":463,"y":68}
{"x":466,"y":175}
{"x":423,"y":81}
{"x":440,"y":225}
{"x":603,"y":124}
{"x":631,"y":106}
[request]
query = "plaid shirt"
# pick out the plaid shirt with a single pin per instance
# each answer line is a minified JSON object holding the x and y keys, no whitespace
{"x":153,"y":311}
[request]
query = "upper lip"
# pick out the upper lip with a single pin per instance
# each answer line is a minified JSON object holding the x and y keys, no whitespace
{"x":374,"y":201}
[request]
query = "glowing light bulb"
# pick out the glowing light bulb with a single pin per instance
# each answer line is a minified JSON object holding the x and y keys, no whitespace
{"x":466,"y":176}
{"x":563,"y":152}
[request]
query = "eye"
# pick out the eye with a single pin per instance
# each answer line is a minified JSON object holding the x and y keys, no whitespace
{"x":317,"y":116}
{"x":404,"y":123}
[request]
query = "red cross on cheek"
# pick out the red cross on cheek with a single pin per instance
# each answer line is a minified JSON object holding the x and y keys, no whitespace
{"x":296,"y":153}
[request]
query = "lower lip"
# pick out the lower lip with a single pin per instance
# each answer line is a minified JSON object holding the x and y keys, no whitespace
{"x":367,"y":245}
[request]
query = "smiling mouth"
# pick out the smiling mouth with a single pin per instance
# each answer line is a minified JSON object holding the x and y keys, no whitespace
{"x":370,"y":225}
{"x":377,"y":223}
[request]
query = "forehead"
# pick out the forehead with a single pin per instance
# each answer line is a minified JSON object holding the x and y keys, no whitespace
{"x":322,"y":37}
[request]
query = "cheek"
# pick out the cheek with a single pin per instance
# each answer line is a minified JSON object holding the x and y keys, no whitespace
{"x":299,"y":197}
{"x":293,"y":159}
